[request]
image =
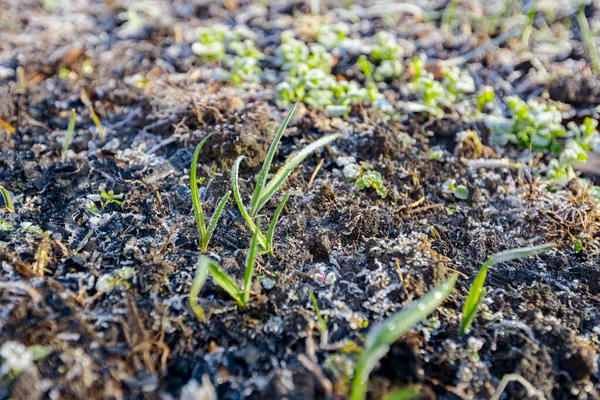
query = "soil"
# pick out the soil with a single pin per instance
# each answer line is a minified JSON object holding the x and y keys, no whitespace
{"x":364,"y":257}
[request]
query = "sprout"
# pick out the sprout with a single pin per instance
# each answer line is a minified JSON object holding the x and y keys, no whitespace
{"x":9,"y":204}
{"x":70,"y":132}
{"x":220,"y":277}
{"x":385,"y":333}
{"x":477,"y":291}
{"x":263,"y":190}
{"x":204,"y":233}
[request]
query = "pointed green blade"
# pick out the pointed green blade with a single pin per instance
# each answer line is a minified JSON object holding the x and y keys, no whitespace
{"x":212,"y":224}
{"x":477,"y":292}
{"x":387,"y":332}
{"x":249,"y":271}
{"x":200,"y":223}
{"x":262,"y":177}
{"x":286,"y":170}
{"x":273,"y":224}
{"x":238,"y":199}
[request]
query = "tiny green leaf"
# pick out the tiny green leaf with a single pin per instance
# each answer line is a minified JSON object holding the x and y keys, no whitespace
{"x":322,"y":322}
{"x":197,"y":284}
{"x":578,"y":246}
{"x":461,"y":192}
{"x":99,"y":127}
{"x":407,"y":393}
{"x":477,"y":291}
{"x":204,"y":233}
{"x":286,"y":170}
{"x":70,"y":132}
{"x":212,"y":224}
{"x":262,"y":177}
{"x":8,"y":201}
{"x":387,"y":332}
{"x":238,"y":199}
{"x":273,"y":224}
{"x":249,"y":271}
{"x":203,"y":267}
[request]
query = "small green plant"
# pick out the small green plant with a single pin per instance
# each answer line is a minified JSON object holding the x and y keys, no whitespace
{"x":385,"y":333}
{"x":70,"y":132}
{"x":99,"y":127}
{"x":119,"y":278}
{"x":487,"y":96}
{"x":5,"y":225}
{"x":9,"y":204}
{"x":540,"y":127}
{"x":387,"y":56}
{"x":206,"y":264}
{"x":235,"y":48}
{"x":459,"y":191}
{"x":588,"y":39}
{"x":477,"y":291}
{"x":110,"y":197}
{"x":434,"y":94}
{"x":535,"y":125}
{"x":408,"y":393}
{"x":204,"y":233}
{"x":322,"y":322}
{"x":15,"y":358}
{"x":368,"y":178}
{"x":264,"y":191}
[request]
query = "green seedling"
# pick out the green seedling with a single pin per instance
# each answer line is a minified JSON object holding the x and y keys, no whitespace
{"x":5,"y":225}
{"x":322,"y":322}
{"x":459,"y":191}
{"x":9,"y":204}
{"x":99,"y":127}
{"x":110,"y":197}
{"x":264,"y":191}
{"x":206,"y":264}
{"x":70,"y":132}
{"x":487,"y":96}
{"x":477,"y":291}
{"x":408,"y":393}
{"x":119,"y":278}
{"x":539,"y":127}
{"x":369,"y":178}
{"x":16,"y":358}
{"x":588,"y":39}
{"x":385,"y":333}
{"x":204,"y":233}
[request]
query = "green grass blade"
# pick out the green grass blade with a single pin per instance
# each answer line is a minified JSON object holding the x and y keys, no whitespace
{"x":273,"y":224}
{"x":249,"y":271}
{"x":262,"y":177}
{"x":322,"y":323}
{"x":99,"y":127}
{"x":477,"y":291}
{"x":200,"y":223}
{"x":262,"y":241}
{"x":474,"y":299}
{"x":222,"y":279}
{"x":8,"y":201}
{"x":387,"y":332}
{"x":198,"y":283}
{"x":408,"y":393}
{"x":70,"y":132}
{"x":588,"y":39}
{"x":520,"y":252}
{"x":286,"y":170}
{"x":212,"y":224}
